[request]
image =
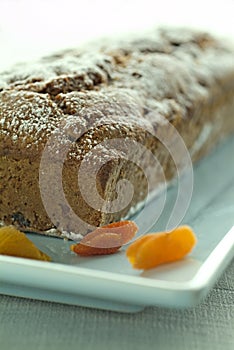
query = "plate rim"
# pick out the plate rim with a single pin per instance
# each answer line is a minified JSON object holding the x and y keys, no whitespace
{"x":194,"y":290}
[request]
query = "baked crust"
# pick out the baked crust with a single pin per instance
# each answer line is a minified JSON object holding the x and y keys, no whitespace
{"x":120,"y":89}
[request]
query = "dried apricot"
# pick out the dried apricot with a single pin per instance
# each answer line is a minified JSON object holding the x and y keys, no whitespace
{"x":125,"y":230}
{"x":106,"y":239}
{"x":86,"y":250}
{"x":159,"y":248}
{"x":16,"y":243}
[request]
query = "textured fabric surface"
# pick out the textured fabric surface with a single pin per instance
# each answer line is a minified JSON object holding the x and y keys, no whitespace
{"x":29,"y":324}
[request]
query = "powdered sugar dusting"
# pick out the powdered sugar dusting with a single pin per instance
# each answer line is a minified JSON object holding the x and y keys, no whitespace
{"x":167,"y":72}
{"x":108,"y":90}
{"x":28,"y":117}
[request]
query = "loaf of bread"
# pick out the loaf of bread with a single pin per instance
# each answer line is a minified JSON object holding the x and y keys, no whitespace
{"x":55,"y":112}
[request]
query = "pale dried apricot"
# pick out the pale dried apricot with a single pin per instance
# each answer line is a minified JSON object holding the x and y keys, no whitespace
{"x":106,"y":239}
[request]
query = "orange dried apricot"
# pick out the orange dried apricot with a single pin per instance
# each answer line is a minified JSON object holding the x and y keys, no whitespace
{"x":16,"y":243}
{"x":86,"y":250}
{"x":155,"y":249}
{"x":106,"y":239}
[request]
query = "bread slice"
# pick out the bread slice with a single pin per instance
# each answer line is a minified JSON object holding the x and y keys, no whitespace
{"x":95,"y":106}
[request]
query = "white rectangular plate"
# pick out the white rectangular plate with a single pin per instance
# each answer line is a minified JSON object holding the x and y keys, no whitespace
{"x":109,"y":282}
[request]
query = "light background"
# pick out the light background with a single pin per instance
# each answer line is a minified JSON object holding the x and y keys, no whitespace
{"x":31,"y":28}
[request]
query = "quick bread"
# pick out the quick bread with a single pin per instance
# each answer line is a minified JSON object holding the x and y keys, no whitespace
{"x":121,"y":89}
